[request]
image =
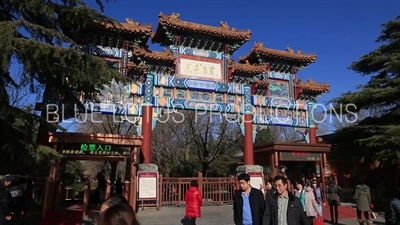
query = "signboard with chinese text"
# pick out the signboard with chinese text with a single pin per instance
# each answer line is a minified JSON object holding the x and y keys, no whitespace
{"x":300,"y":156}
{"x":209,"y":69}
{"x":147,"y":186}
{"x":95,"y":149}
{"x":257,"y":180}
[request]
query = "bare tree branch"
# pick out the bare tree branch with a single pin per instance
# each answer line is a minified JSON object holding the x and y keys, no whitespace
{"x":106,"y":124}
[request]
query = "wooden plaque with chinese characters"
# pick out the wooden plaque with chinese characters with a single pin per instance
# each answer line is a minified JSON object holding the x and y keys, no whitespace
{"x":300,"y":156}
{"x":95,"y":149}
{"x":200,"y":68}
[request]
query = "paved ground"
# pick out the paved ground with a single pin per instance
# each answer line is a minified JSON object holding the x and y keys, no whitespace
{"x":211,"y":215}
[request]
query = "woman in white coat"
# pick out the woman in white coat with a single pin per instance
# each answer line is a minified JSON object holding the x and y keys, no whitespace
{"x":312,"y":209}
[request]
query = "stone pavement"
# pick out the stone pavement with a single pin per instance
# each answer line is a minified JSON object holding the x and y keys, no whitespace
{"x":211,"y":215}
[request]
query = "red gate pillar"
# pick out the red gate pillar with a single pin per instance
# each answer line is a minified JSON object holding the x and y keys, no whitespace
{"x":248,"y":148}
{"x":313,"y":135}
{"x":312,"y":132}
{"x":248,"y":152}
{"x":147,"y":118}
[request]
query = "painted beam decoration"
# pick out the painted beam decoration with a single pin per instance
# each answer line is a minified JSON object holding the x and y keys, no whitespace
{"x":197,"y":73}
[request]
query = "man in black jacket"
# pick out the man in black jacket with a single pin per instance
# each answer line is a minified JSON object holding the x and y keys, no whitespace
{"x":283,"y":208}
{"x":248,"y":203}
{"x":12,"y":202}
{"x":5,"y":205}
{"x":392,"y":214}
{"x":101,"y":187}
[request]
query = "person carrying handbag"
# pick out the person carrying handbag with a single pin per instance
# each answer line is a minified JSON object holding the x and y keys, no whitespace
{"x":363,"y":201}
{"x":312,"y":210}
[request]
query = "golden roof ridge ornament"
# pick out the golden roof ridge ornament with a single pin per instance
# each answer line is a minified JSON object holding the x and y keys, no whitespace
{"x":131,"y":22}
{"x":223,"y":25}
{"x":258,"y":44}
{"x":290,"y":50}
{"x":175,"y":16}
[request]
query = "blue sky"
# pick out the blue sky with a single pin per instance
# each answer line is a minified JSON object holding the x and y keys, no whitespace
{"x":339,"y":32}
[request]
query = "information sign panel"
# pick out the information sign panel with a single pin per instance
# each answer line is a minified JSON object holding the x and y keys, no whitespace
{"x":147,"y":186}
{"x":256,"y":180}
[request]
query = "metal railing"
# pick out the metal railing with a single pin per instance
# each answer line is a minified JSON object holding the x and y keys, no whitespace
{"x":172,"y":191}
{"x":214,"y":190}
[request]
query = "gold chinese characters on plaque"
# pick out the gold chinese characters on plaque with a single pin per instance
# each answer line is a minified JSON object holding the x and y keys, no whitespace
{"x":94,"y":149}
{"x":200,"y":69}
{"x":95,"y":153}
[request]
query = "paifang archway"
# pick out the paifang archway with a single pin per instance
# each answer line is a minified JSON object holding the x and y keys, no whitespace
{"x":196,"y":72}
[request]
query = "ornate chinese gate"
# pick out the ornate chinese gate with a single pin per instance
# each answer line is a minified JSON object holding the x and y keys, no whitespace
{"x":196,"y":72}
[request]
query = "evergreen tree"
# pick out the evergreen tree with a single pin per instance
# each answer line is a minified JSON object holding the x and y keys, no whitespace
{"x":36,"y":34}
{"x":377,"y":135}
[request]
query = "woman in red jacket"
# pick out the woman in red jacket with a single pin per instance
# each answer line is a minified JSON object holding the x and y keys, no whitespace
{"x":193,"y":201}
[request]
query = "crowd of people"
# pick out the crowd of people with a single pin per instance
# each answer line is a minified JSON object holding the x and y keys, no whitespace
{"x":273,"y":204}
{"x":279,"y":206}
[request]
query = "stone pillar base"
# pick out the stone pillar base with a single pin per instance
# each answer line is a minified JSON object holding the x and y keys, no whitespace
{"x":249,"y":168}
{"x":148,"y":167}
{"x":256,"y":175}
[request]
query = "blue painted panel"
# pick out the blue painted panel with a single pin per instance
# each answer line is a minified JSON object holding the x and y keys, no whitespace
{"x":280,"y":121}
{"x":173,"y":103}
{"x":148,"y":89}
{"x":202,"y":85}
{"x":129,"y":110}
{"x":201,"y":53}
{"x":279,"y":89}
{"x":273,"y":102}
{"x":311,"y":106}
{"x":135,"y":88}
{"x":291,"y":86}
{"x":247,"y":107}
{"x":104,"y":51}
{"x":112,"y":108}
{"x":278,"y":75}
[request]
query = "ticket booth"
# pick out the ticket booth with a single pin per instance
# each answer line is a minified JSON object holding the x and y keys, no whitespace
{"x":94,"y":147}
{"x":299,"y":158}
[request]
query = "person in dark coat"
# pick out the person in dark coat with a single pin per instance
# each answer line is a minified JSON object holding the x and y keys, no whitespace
{"x":363,"y":201}
{"x":248,"y":203}
{"x":392,"y":212}
{"x":193,"y":201}
{"x":305,"y":181}
{"x":118,"y":186}
{"x":12,"y":202}
{"x":333,"y":191}
{"x":269,"y":188}
{"x":101,"y":187}
{"x":5,"y":204}
{"x":283,"y":207}
{"x":282,"y":171}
